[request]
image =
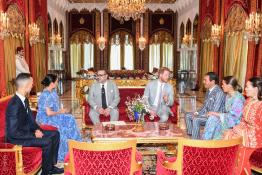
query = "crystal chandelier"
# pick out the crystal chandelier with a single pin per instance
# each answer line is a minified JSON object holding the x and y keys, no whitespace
{"x":101,"y":40}
{"x":216,"y":34}
{"x":141,"y":40}
{"x":33,"y":33}
{"x":186,"y":39}
{"x":4,"y":24}
{"x":254,"y":26}
{"x":123,"y":10}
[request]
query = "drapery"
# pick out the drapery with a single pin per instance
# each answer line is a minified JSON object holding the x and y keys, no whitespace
{"x":89,"y":55}
{"x":115,"y":57}
{"x":10,"y":45}
{"x":207,"y":58}
{"x":161,"y":55}
{"x":128,"y":57}
{"x":235,"y":56}
{"x":40,"y":64}
{"x":154,"y":56}
{"x":75,"y":59}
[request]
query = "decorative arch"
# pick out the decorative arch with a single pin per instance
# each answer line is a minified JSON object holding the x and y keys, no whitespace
{"x":16,"y":21}
{"x":121,"y":37}
{"x":49,"y":23}
{"x":206,"y":28}
{"x":236,"y":19}
{"x":188,"y":27}
{"x":61,"y":30}
{"x":195,"y":29}
{"x":182,"y":32}
{"x":55,"y":27}
{"x":161,"y":37}
{"x":82,"y":36}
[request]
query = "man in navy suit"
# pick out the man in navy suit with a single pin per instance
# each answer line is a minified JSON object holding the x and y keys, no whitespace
{"x":21,"y":128}
{"x":214,"y":101}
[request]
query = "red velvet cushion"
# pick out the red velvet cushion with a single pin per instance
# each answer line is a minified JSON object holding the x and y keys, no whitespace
{"x":3,"y":106}
{"x":32,"y":158}
{"x":7,"y":161}
{"x":209,"y":161}
{"x":160,"y":169}
{"x":102,"y":162}
{"x":256,"y":158}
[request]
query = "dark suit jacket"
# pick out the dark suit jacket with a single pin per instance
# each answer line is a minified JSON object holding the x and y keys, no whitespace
{"x":20,"y":125}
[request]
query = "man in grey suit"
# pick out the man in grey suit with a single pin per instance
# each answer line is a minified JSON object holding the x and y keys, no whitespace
{"x":159,"y":95}
{"x":214,"y":101}
{"x":103,"y":98}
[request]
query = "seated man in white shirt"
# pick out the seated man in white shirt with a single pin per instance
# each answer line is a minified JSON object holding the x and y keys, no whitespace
{"x":103,"y":97}
{"x":160,"y":95}
{"x":21,"y":65}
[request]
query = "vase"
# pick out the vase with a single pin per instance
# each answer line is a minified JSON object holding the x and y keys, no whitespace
{"x":139,"y":118}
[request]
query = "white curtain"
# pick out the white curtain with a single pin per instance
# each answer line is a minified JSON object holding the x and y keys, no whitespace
{"x":75,"y":58}
{"x":88,"y":55}
{"x":168,"y":56}
{"x":129,"y":57}
{"x":115,"y":57}
{"x":154,"y":56}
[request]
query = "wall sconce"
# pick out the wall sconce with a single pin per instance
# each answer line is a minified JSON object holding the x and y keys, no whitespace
{"x":253,"y":26}
{"x":4,"y":25}
{"x":56,"y":41}
{"x":101,"y":43}
{"x":141,"y":39}
{"x":216,"y":34}
{"x":186,"y":39}
{"x":33,"y":33}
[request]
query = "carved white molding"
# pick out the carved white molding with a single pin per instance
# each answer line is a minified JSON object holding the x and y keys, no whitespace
{"x":66,"y":6}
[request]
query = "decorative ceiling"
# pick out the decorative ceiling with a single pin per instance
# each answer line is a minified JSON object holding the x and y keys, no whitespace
{"x":102,"y":1}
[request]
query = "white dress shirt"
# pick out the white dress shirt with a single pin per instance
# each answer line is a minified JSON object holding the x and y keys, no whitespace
{"x":21,"y":65}
{"x":22,"y":98}
{"x":159,"y":90}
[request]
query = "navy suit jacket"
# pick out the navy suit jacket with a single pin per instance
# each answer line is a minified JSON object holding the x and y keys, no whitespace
{"x":20,"y":124}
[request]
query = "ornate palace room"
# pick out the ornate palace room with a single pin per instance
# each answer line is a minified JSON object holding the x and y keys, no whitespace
{"x":121,"y":87}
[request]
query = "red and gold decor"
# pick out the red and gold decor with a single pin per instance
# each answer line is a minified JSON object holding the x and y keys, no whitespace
{"x":4,"y":25}
{"x":254,"y":26}
{"x":123,"y":10}
{"x":216,"y":34}
{"x":33,"y":33}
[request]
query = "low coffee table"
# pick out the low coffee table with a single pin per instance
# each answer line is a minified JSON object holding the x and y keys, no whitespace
{"x":150,"y":134}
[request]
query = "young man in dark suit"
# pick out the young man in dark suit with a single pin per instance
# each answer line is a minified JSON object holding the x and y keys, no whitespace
{"x":21,"y":128}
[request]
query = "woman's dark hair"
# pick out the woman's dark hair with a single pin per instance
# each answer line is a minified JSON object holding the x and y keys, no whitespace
{"x":49,"y":78}
{"x":212,"y":77}
{"x":18,"y":49}
{"x":257,"y":82}
{"x":233,"y":82}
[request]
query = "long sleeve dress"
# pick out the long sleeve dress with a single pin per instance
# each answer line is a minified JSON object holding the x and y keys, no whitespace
{"x":216,"y":126}
{"x":65,"y":123}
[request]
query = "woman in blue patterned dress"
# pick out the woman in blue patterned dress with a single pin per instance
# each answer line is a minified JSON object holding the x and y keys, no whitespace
{"x":217,"y":123}
{"x":50,"y":113}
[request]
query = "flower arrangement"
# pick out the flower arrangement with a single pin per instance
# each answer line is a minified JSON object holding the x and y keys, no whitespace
{"x":136,"y":108}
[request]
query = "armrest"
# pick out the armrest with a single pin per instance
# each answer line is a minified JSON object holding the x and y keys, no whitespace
{"x":48,"y":128}
{"x":165,"y":164}
{"x":138,"y":165}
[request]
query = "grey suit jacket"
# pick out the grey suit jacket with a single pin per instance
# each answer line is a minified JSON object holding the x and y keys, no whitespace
{"x":95,"y":95}
{"x":214,"y":101}
{"x":150,"y":94}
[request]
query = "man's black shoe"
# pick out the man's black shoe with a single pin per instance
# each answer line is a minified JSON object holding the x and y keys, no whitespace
{"x":56,"y":170}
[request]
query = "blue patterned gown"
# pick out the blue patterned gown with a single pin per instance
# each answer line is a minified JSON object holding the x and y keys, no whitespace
{"x":65,"y":123}
{"x":216,"y":126}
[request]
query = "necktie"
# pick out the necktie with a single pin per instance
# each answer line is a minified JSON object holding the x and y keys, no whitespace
{"x":160,"y":95}
{"x":104,"y":105}
{"x":26,"y":104}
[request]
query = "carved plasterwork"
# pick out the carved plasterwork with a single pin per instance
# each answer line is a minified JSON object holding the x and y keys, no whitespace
{"x":206,"y":28}
{"x":236,"y":19}
{"x":81,"y":37}
{"x":16,"y":22}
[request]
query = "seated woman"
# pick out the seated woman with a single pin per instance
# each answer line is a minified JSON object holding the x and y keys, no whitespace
{"x":217,"y":123}
{"x":250,"y":127}
{"x":50,"y":113}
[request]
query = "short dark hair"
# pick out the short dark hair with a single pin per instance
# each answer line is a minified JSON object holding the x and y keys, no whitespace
{"x":18,"y":49}
{"x":49,"y":78}
{"x":257,"y":82}
{"x":233,"y":82}
{"x":106,"y":72}
{"x":21,"y":77}
{"x":162,"y":70}
{"x":212,"y":77}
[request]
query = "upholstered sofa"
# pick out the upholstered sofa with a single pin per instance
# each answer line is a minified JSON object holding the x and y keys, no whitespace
{"x":124,"y":93}
{"x":15,"y":159}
